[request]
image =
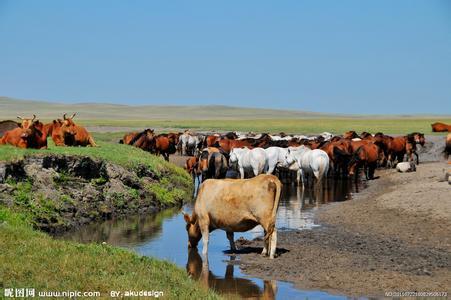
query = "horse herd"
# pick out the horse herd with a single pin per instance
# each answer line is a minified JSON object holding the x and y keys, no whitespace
{"x":232,"y":155}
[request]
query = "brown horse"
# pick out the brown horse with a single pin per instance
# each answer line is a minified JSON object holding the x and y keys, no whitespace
{"x":339,"y":152}
{"x":448,"y":146}
{"x":143,"y":140}
{"x":396,"y":150}
{"x":365,"y":156}
{"x":411,"y":147}
{"x":165,"y":144}
{"x":226,"y":145}
{"x":191,"y":166}
{"x":212,"y":164}
{"x":350,"y":135}
{"x":440,"y":127}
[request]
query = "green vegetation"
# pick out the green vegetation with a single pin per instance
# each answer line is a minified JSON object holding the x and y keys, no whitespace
{"x":173,"y":179}
{"x":294,"y":126}
{"x":33,"y":259}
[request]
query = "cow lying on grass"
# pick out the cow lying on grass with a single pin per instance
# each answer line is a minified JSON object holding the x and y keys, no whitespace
{"x":66,"y":133}
{"x":235,"y":206}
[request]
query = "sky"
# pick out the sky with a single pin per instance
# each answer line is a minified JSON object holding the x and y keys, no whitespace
{"x":384,"y":56}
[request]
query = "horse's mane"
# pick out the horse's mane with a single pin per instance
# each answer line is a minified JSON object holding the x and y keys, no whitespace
{"x":139,"y":135}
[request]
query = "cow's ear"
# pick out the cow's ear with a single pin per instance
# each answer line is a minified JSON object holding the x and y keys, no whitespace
{"x":187,"y":218}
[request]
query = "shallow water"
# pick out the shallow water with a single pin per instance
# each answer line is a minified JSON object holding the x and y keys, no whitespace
{"x":163,"y":236}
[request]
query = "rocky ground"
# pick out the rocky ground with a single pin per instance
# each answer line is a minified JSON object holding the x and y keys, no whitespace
{"x":394,"y":236}
{"x":63,"y":192}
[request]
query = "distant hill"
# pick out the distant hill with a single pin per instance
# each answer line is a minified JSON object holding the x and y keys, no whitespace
{"x":10,"y":108}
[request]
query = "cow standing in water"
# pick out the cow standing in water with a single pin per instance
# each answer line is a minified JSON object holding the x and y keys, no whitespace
{"x":235,"y":205}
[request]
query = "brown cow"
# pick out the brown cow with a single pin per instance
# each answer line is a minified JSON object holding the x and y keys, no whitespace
{"x":75,"y":135}
{"x":440,"y":127}
{"x":33,"y":136}
{"x":235,"y":205}
{"x":7,"y":125}
{"x":229,"y":286}
{"x":17,"y":137}
{"x":365,"y":156}
{"x":26,"y":122}
{"x":54,"y":131}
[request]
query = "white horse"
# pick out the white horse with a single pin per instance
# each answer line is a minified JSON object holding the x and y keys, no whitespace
{"x":308,"y":160}
{"x":275,"y":157}
{"x":254,"y":159}
{"x":189,"y":142}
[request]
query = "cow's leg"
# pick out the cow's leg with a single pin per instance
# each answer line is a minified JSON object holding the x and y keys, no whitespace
{"x":273,"y":244}
{"x":91,"y":142}
{"x":205,"y":237}
{"x":231,"y":241}
{"x":265,"y":246}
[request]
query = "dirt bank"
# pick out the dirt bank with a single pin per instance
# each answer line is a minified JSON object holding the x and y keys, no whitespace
{"x":394,"y":236}
{"x":62,"y":192}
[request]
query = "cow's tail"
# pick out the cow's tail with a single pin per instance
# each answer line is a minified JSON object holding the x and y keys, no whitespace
{"x":272,"y":224}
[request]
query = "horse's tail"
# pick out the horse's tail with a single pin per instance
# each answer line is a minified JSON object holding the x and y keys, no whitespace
{"x":272,"y":224}
{"x":323,"y":167}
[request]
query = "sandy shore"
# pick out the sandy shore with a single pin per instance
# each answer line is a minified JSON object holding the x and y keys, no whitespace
{"x":394,"y":236}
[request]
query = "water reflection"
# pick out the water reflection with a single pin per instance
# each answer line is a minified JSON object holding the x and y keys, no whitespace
{"x":129,"y":232}
{"x":228,"y":285}
{"x":163,"y":235}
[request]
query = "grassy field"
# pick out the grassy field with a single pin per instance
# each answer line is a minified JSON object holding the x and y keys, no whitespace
{"x":295,"y":126}
{"x":31,"y":259}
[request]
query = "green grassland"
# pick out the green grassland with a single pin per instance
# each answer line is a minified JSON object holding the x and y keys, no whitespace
{"x":293,"y":126}
{"x":113,"y":117}
{"x":29,"y":258}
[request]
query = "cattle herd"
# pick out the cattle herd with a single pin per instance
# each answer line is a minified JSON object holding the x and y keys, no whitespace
{"x":31,"y":133}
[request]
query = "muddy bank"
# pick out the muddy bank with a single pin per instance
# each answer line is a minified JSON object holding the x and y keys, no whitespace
{"x":394,"y":236}
{"x":62,"y":192}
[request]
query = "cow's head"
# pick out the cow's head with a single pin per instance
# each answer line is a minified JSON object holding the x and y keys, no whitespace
{"x":192,"y":227}
{"x":68,"y":126}
{"x":26,"y":122}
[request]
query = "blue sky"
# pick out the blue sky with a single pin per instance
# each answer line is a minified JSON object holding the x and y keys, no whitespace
{"x":328,"y":56}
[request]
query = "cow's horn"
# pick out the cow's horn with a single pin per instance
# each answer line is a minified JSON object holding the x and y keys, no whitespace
{"x":73,"y":115}
{"x":19,"y":117}
{"x":34,"y":117}
{"x":64,"y":116}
